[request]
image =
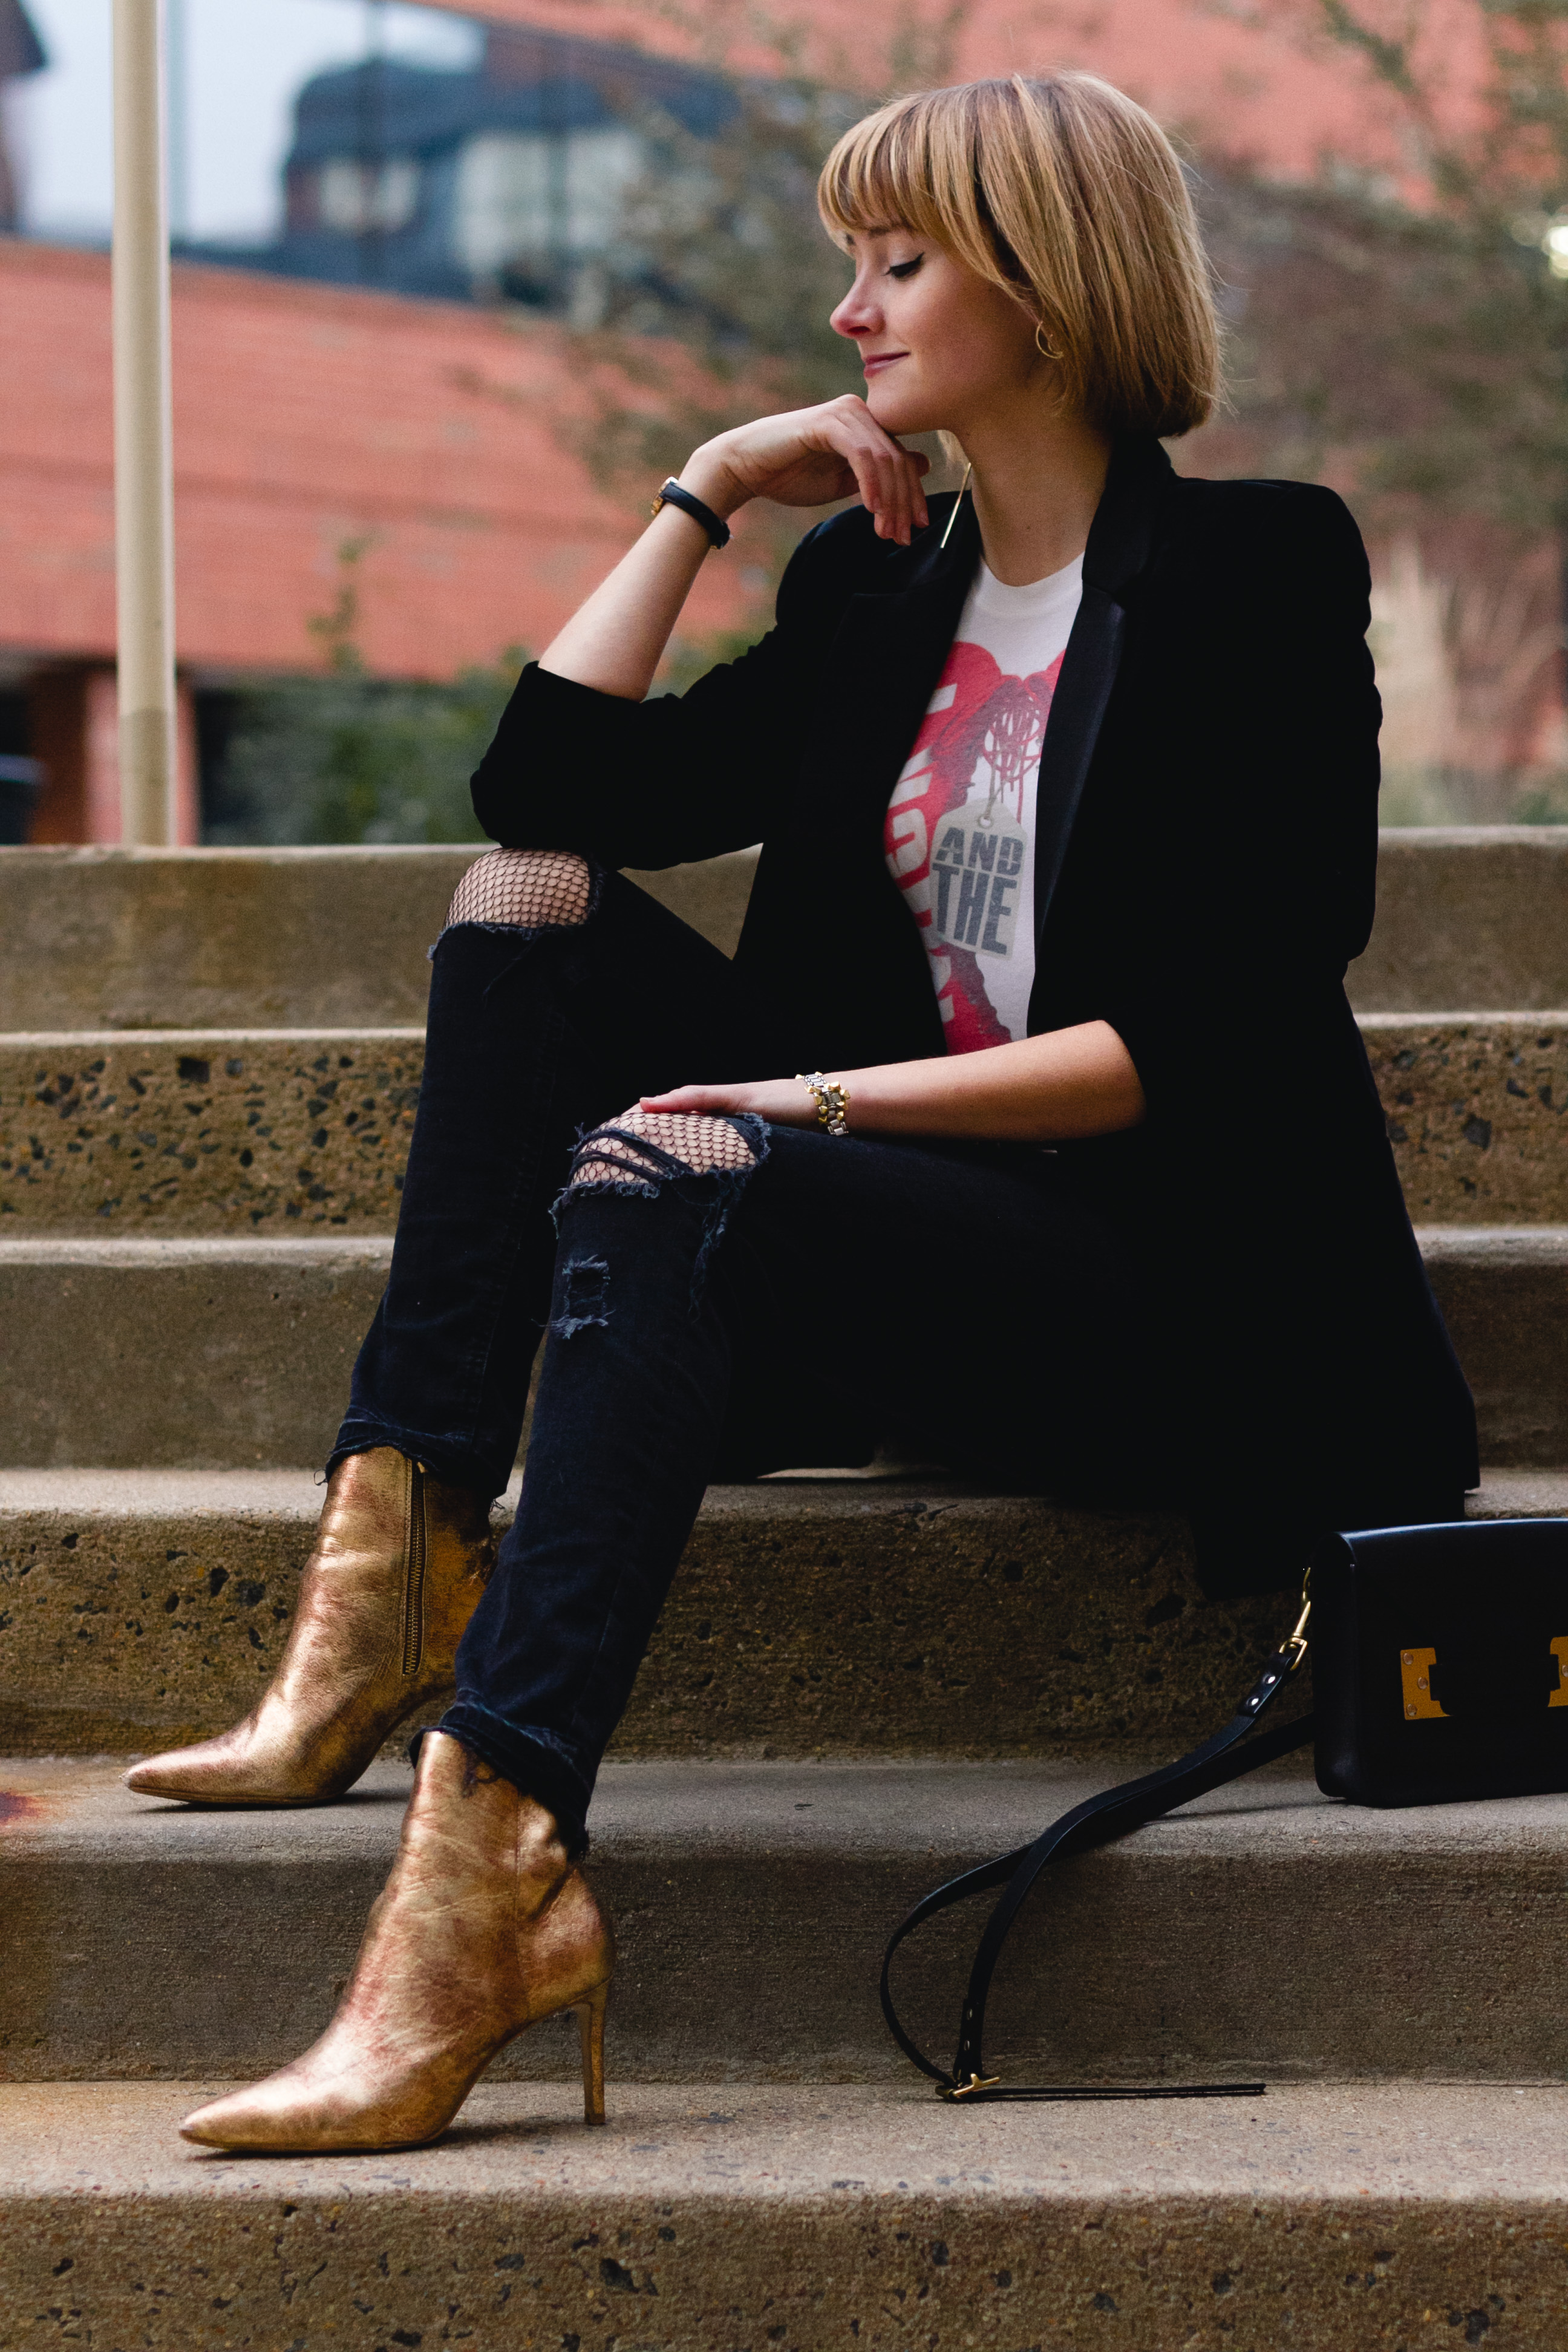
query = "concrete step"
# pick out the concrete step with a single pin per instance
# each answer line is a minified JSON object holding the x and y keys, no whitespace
{"x":191,"y":1353}
{"x":110,"y":939}
{"x":202,"y":1353}
{"x":201,"y":1132}
{"x":1324,"y":2220}
{"x":299,"y":938}
{"x":841,"y":1617}
{"x":1504,"y":1291}
{"x":752,"y":1903}
{"x":1468,"y":915}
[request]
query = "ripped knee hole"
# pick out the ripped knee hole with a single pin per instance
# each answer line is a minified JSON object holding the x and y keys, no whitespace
{"x":641,"y":1149}
{"x":525,"y":889}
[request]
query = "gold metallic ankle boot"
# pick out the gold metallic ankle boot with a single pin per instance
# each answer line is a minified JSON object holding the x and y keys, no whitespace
{"x":484,"y":1928}
{"x":399,"y":1562}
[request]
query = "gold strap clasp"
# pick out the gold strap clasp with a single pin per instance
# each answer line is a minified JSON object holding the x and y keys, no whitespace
{"x":967,"y":2090}
{"x":1295,"y":1643}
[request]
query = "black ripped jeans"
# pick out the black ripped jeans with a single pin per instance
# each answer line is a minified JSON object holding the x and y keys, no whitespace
{"x":794,"y":1311}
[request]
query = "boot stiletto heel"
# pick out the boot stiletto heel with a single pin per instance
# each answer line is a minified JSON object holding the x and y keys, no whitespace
{"x":591,"y":2028}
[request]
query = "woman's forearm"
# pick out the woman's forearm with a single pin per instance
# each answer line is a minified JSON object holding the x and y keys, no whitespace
{"x":809,"y":457}
{"x":1069,"y":1083}
{"x":616,"y":641}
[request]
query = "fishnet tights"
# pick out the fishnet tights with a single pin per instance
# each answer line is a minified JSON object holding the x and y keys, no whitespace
{"x":703,"y":1144}
{"x":526,"y":888}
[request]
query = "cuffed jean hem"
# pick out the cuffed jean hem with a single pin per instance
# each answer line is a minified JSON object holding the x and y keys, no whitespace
{"x":359,"y":1434}
{"x":535,"y":1769}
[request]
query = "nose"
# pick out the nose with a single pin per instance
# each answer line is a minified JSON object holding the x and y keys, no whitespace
{"x":858,"y":313}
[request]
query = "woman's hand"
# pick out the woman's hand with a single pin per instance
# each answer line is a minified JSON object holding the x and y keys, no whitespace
{"x":780,"y":1101}
{"x":808,"y":457}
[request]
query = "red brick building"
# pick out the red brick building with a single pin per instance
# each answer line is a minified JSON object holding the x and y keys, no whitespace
{"x":308,"y":417}
{"x":305,"y":417}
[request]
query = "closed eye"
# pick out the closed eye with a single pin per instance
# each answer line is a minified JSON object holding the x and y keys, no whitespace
{"x":905,"y":268}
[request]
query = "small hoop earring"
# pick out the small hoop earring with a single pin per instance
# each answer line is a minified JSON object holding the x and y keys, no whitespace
{"x":1044,"y":348}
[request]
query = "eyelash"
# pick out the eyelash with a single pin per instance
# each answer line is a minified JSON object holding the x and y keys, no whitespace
{"x":905,"y":268}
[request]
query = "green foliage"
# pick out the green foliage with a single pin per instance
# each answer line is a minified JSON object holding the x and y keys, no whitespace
{"x":348,"y":757}
{"x":1423,"y":332}
{"x":351,"y":758}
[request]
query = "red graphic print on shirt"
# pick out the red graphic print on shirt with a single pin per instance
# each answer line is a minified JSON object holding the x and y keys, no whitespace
{"x":958,"y":839}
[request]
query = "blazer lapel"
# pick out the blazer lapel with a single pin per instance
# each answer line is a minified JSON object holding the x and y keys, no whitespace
{"x":1118,"y":548}
{"x":884,"y":665}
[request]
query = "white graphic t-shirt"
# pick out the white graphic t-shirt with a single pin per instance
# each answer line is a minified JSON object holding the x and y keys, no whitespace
{"x":958,"y":834}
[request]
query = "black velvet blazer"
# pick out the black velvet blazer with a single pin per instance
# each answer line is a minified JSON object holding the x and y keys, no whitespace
{"x":1206,"y":868}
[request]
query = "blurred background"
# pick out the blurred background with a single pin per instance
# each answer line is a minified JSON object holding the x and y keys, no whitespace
{"x":453,"y":290}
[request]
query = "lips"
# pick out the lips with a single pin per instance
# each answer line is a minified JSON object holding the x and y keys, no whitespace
{"x":875,"y":361}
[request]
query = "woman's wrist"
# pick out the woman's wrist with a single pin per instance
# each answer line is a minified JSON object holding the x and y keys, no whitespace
{"x":708,"y":477}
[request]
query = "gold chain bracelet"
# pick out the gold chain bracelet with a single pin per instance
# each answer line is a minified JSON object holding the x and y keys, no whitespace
{"x":832,"y":1100}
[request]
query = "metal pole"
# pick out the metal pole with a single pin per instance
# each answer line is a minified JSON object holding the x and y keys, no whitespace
{"x":144,"y":440}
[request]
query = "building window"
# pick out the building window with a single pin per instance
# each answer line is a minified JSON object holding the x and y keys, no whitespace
{"x":354,"y":198}
{"x":533,"y":200}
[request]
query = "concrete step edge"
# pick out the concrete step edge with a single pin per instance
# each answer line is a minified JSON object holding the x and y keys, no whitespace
{"x":1511,"y":1244}
{"x":46,"y":1040}
{"x":87,"y":1253}
{"x":295,"y":1496}
{"x":865,"y":1810}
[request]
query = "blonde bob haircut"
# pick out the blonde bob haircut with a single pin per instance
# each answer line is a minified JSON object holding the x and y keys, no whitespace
{"x":1070,"y":198}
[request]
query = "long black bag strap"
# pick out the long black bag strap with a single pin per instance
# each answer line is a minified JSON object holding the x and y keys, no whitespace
{"x":1095,"y":1822}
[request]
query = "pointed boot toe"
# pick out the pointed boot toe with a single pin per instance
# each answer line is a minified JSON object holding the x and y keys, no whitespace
{"x":212,"y":1773}
{"x":485,"y":1927}
{"x":399,"y":1564}
{"x":302,"y":2110}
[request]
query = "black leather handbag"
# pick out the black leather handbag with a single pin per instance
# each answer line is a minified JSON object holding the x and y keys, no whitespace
{"x":1439,"y":1672}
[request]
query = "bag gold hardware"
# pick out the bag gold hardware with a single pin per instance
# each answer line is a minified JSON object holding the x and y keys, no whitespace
{"x":1416,"y":1681}
{"x":1296,"y":1641}
{"x":965,"y":2090}
{"x":1560,"y":1652}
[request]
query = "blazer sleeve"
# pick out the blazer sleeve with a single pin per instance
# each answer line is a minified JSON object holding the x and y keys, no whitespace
{"x":676,"y":777}
{"x":1257,"y":881}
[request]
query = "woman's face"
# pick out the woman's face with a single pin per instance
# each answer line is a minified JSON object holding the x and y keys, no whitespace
{"x":940,"y":345}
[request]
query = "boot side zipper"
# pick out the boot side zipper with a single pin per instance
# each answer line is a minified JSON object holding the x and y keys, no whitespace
{"x":415,"y":1554}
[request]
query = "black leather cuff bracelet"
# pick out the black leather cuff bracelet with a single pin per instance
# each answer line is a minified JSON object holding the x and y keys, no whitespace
{"x":672,"y":495}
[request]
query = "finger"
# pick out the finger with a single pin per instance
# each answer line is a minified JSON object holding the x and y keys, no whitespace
{"x":919,"y":465}
{"x":688,"y":1098}
{"x":899,"y":505}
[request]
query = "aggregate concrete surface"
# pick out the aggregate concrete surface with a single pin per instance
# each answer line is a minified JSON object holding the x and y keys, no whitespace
{"x":812,"y":2220}
{"x":1477,"y":1109}
{"x":753,"y":1901}
{"x":139,"y":1608}
{"x":198,"y":1132}
{"x":842,"y":1614}
{"x":183,"y":1132}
